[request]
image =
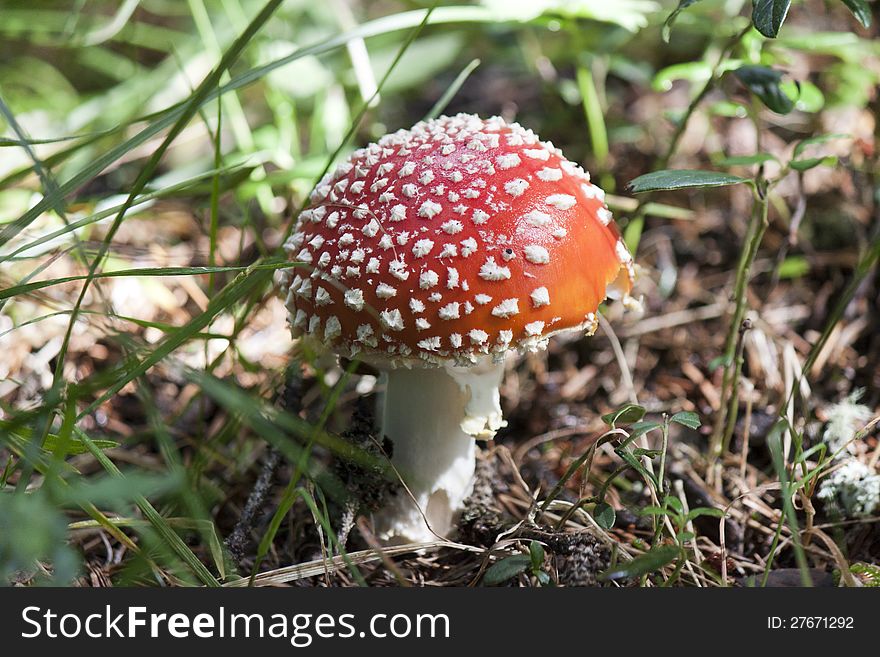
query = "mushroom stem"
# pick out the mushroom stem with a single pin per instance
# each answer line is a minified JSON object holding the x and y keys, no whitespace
{"x":432,"y":416}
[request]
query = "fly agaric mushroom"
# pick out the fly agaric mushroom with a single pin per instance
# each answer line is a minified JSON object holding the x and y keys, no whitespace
{"x":430,"y":255}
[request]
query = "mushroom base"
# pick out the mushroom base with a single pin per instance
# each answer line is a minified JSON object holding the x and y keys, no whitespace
{"x":432,"y":417}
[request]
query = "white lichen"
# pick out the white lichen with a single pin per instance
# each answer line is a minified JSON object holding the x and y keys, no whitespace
{"x":844,"y":419}
{"x":851,"y":491}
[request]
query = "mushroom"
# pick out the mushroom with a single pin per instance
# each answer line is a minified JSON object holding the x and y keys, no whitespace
{"x":431,"y":255}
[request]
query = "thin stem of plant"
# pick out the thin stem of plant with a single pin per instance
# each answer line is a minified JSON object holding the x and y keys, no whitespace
{"x":732,"y":352}
{"x":733,"y":391}
{"x":664,"y":446}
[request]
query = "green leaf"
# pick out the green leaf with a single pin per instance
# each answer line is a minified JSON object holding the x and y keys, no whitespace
{"x":768,"y":16}
{"x":804,"y":163}
{"x":809,"y":98}
{"x":743,"y":160}
{"x":604,"y":515}
{"x":75,"y":446}
{"x":729,"y":109}
{"x":704,"y":511}
{"x":72,"y":445}
{"x":794,"y":267}
{"x":641,"y":428}
{"x":509,"y":567}
{"x":536,"y":553}
{"x":860,"y":10}
{"x":636,"y":465}
{"x":624,"y":415}
{"x":576,"y":465}
{"x":766,"y":84}
{"x":687,"y":419}
{"x":650,"y":453}
{"x":813,"y":162}
{"x":593,"y":113}
{"x":681,"y":537}
{"x":674,"y":503}
{"x":692,"y":72}
{"x":653,"y":511}
{"x":682,"y":179}
{"x":818,"y":139}
{"x":719,"y":361}
{"x":632,"y":234}
{"x":695,"y":73}
{"x":646,"y":563}
{"x":667,"y":25}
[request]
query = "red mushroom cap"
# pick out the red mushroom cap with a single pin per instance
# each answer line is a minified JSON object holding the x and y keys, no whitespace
{"x":457,"y":238}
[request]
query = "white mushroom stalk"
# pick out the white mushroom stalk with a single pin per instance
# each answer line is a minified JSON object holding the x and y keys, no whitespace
{"x":433,"y":417}
{"x":433,"y":254}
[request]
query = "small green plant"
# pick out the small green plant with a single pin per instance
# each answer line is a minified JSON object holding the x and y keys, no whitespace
{"x":645,"y":564}
{"x":509,"y":567}
{"x":670,"y":515}
{"x":671,"y":520}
